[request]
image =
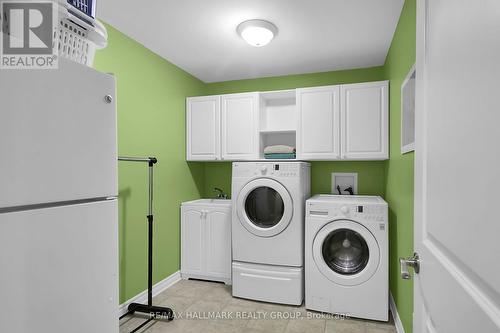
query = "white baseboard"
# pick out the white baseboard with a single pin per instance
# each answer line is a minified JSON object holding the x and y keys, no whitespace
{"x":395,"y":315}
{"x":157,"y":288}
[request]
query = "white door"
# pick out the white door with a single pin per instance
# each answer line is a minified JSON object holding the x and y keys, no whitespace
{"x":365,"y":122}
{"x":218,"y":231}
{"x":59,"y":269}
{"x":192,"y":240}
{"x":318,"y":128}
{"x":240,"y":119}
{"x":203,"y":128}
{"x":457,"y":167}
{"x":57,"y":131}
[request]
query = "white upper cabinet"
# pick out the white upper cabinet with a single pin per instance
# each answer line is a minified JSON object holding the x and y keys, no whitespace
{"x":318,"y":128}
{"x":340,"y":122}
{"x":203,"y":128}
{"x":364,"y":121}
{"x":240,"y":119}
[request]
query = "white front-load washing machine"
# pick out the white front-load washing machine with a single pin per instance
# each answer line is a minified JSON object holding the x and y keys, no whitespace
{"x":346,"y":256}
{"x":268,"y":230}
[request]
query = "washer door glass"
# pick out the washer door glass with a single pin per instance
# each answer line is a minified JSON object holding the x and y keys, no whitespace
{"x":264,"y":207}
{"x":345,"y":251}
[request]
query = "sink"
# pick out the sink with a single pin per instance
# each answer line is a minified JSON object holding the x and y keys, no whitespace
{"x":209,"y":202}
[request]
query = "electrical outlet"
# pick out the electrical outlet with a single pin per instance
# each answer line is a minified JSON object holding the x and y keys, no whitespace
{"x":344,"y":181}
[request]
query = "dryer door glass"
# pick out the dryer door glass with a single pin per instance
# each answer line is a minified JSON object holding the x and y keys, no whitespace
{"x":264,"y":207}
{"x":345,"y":251}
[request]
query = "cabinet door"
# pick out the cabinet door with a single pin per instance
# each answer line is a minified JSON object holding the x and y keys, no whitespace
{"x":192,"y":253}
{"x":318,"y":130}
{"x":240,"y":114}
{"x":218,"y":233}
{"x":364,"y":115}
{"x":203,"y":128}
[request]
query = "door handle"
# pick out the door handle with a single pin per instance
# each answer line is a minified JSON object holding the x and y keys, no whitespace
{"x":413,"y":262}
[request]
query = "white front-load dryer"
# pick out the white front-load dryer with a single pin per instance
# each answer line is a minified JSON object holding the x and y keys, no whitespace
{"x":268,"y":230}
{"x":346,"y":256}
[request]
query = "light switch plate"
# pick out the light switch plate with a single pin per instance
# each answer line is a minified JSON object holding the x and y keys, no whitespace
{"x":344,"y":180}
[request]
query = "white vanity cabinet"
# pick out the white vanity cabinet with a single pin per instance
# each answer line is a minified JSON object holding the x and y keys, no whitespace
{"x":206,"y":240}
{"x":203,"y":128}
{"x":364,"y":121}
{"x":318,"y":128}
{"x":240,"y":121}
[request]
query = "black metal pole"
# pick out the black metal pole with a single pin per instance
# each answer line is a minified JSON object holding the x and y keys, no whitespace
{"x":155,"y":312}
{"x":150,"y":234}
{"x":150,"y":260}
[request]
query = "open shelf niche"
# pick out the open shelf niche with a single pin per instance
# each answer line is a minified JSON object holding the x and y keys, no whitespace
{"x":278,"y":119}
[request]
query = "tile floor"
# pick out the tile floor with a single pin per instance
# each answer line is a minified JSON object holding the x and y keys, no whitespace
{"x":194,"y":301}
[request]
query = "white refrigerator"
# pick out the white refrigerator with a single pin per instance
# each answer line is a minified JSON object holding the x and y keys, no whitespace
{"x":58,"y":201}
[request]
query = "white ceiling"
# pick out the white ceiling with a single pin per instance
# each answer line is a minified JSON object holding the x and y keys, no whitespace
{"x":200,"y":36}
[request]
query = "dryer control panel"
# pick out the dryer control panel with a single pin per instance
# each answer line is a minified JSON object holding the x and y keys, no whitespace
{"x":283,"y":169}
{"x":275,"y":169}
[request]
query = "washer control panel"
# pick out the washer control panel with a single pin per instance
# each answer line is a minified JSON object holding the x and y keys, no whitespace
{"x":370,"y":213}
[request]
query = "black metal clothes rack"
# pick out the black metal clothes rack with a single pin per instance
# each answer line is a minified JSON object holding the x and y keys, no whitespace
{"x":154,"y":312}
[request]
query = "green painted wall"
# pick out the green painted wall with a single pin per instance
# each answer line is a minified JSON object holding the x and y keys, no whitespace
{"x":370,"y":174}
{"x":151,"y":96}
{"x":392,"y":179}
{"x":399,"y":169}
{"x":151,"y":121}
{"x":297,"y":81}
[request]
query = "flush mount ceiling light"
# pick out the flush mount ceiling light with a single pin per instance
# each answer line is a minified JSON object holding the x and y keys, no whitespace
{"x":257,"y":32}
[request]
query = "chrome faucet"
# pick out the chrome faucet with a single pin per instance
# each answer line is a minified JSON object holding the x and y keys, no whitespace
{"x":220,"y":193}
